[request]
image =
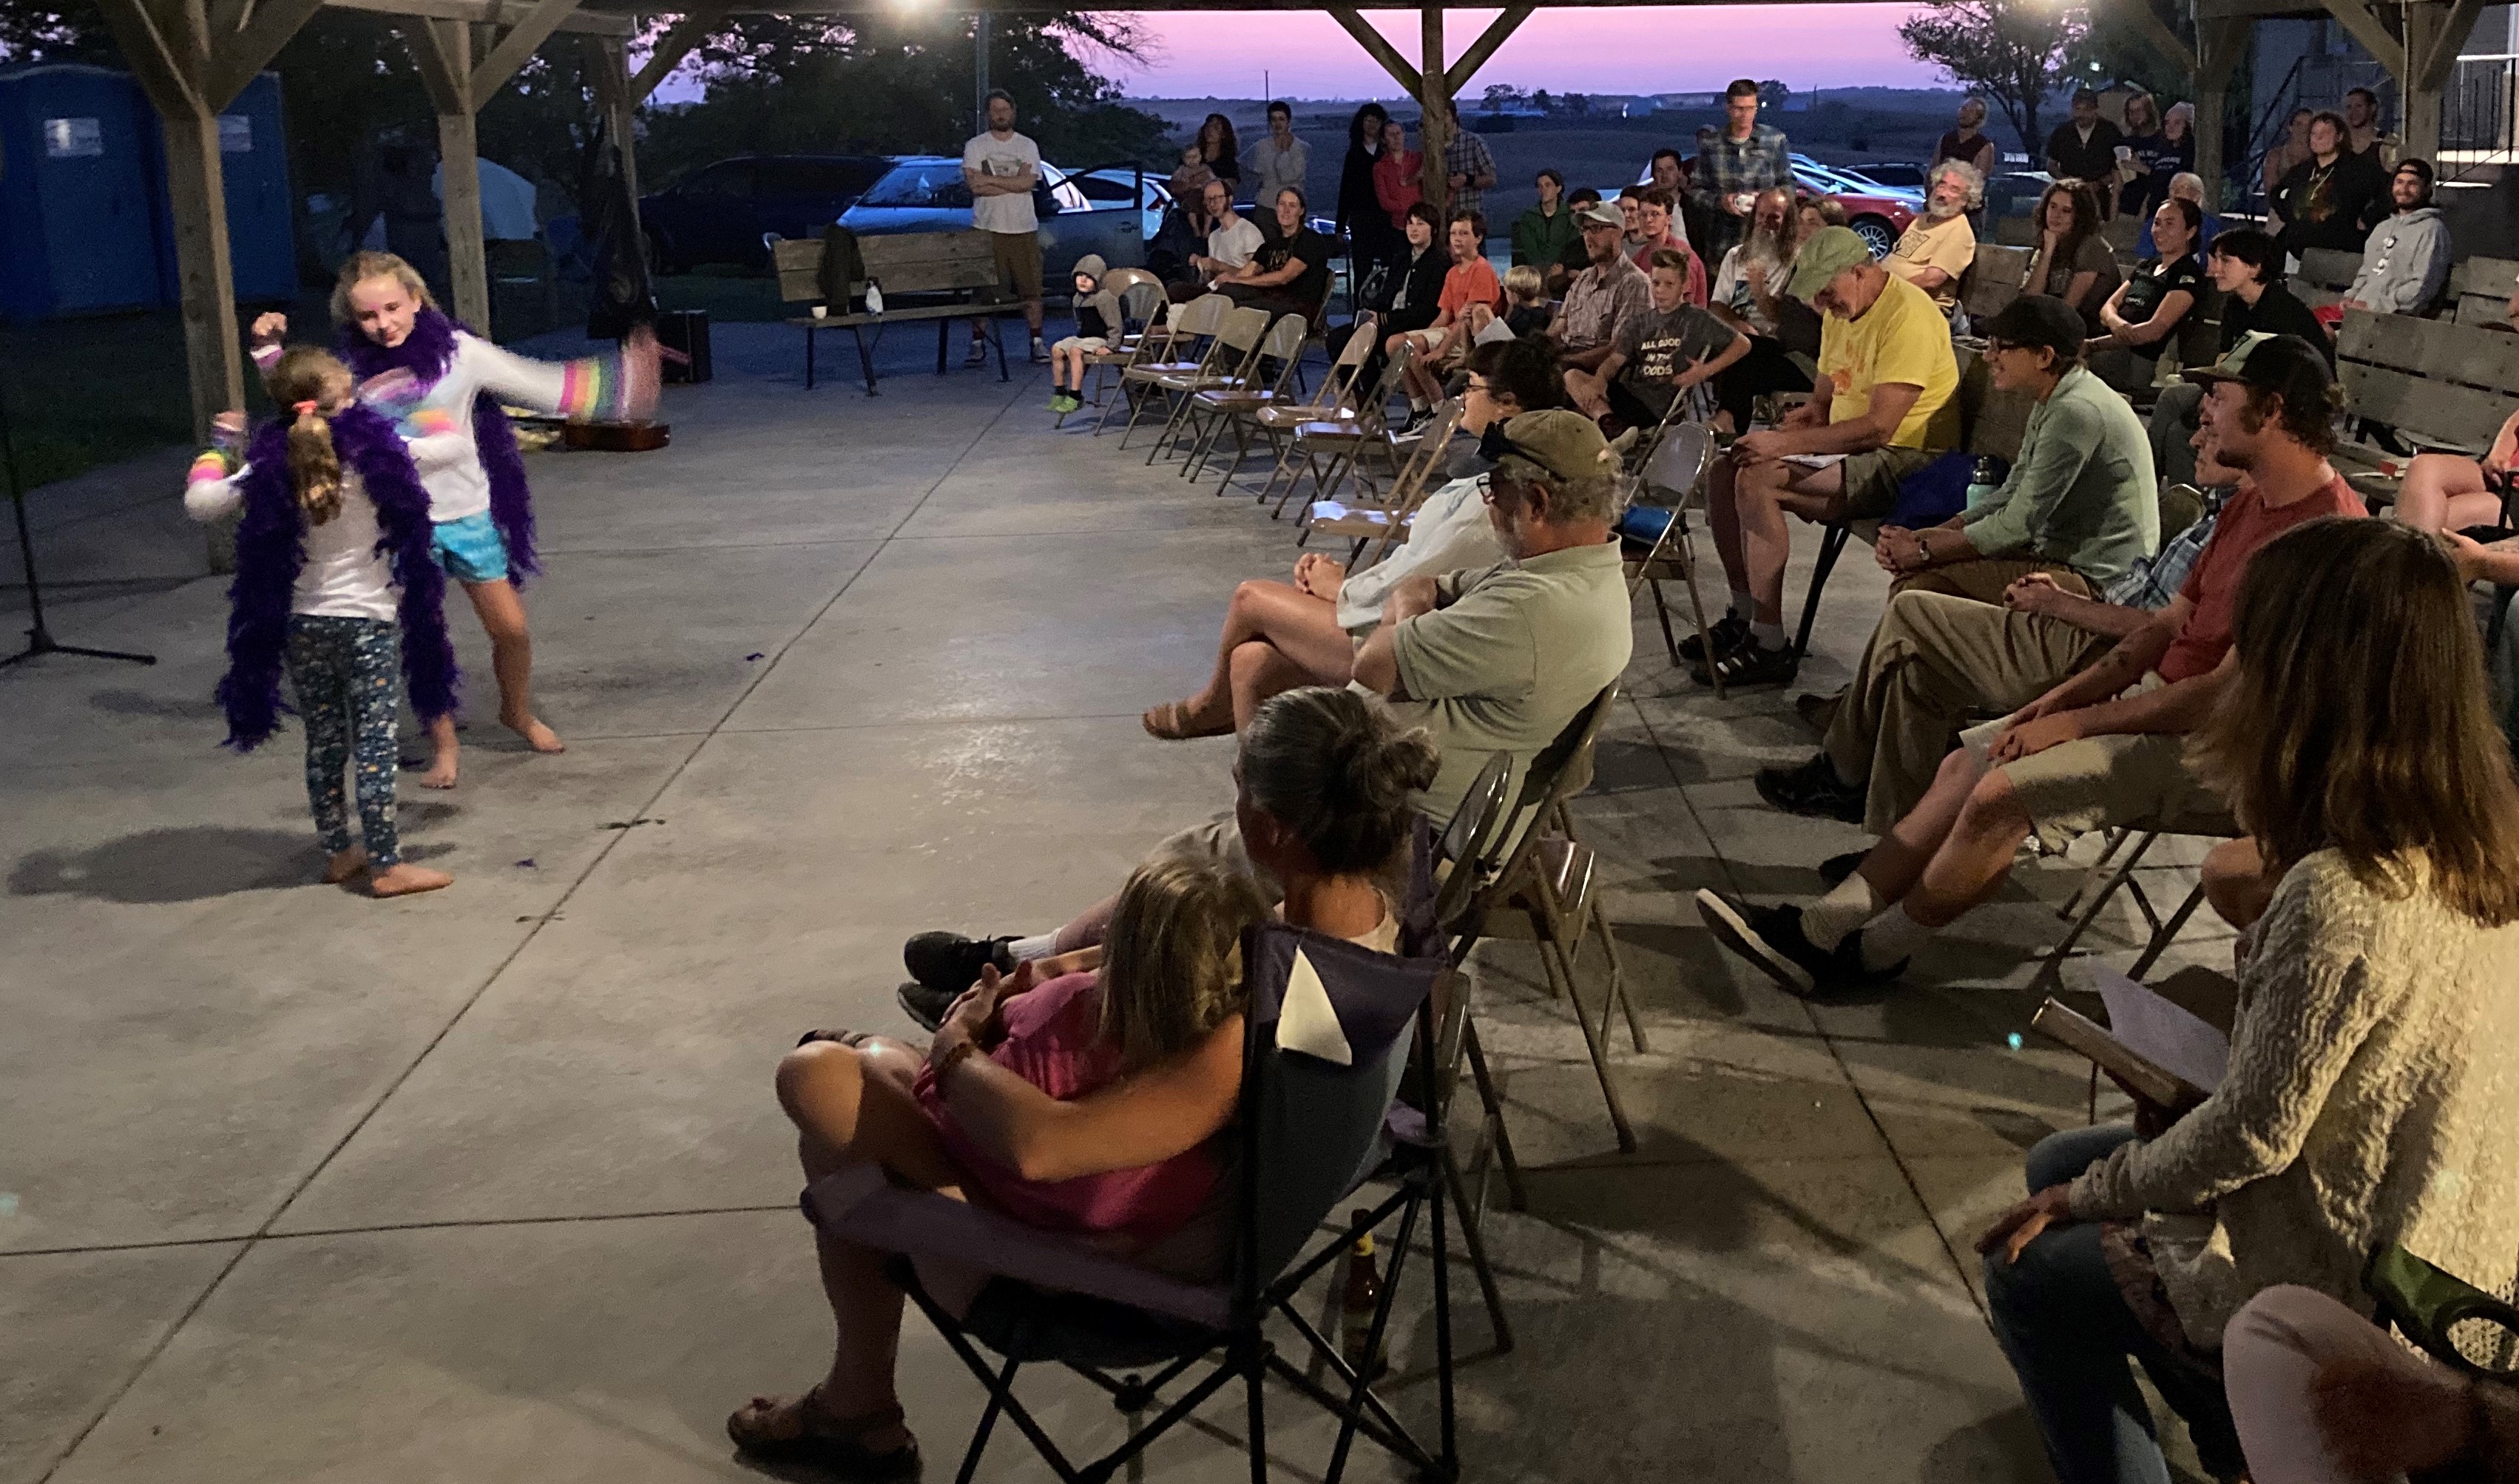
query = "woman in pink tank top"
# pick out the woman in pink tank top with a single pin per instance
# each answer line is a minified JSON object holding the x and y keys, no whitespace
{"x":1089,"y":1103}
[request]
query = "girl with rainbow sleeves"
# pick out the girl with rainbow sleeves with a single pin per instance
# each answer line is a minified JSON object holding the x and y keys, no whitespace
{"x":441,"y":387}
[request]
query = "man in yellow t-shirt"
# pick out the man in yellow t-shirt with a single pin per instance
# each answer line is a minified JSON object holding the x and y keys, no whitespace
{"x":1939,"y":245}
{"x":1885,"y":404}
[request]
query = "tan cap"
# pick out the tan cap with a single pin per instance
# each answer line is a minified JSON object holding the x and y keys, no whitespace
{"x":1602,"y":214}
{"x":1557,"y":443}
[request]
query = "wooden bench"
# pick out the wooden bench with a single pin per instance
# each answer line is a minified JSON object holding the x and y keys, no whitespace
{"x":2324,"y":274}
{"x":1994,"y":280}
{"x":2440,"y":385}
{"x":938,"y":276}
{"x":2479,"y":292}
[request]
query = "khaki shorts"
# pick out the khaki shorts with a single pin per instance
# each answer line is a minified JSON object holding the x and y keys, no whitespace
{"x":2103,"y":782}
{"x":1871,"y":479}
{"x":1019,"y":261}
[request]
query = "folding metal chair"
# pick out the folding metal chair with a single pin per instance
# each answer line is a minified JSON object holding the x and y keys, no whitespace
{"x":1344,"y":441}
{"x":1230,"y":362}
{"x":2113,"y":873}
{"x":1324,"y":1024}
{"x":1273,"y":418}
{"x":1674,"y":477}
{"x":1175,"y":351}
{"x":1386,"y":519}
{"x":1141,"y":299}
{"x":1218,"y":406}
{"x":1342,"y":403}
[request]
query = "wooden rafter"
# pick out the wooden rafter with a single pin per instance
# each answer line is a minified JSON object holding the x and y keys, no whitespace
{"x":266,"y":29}
{"x":1466,"y":66}
{"x":516,"y":48}
{"x":2440,"y":59}
{"x":490,"y":12}
{"x":171,"y":84}
{"x":676,"y":43}
{"x":2163,"y":38}
{"x":2368,"y":29}
{"x":1378,"y":46}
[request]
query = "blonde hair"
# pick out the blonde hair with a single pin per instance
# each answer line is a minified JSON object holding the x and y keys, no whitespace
{"x":1523,"y":283}
{"x":306,"y":378}
{"x":1172,"y":960}
{"x":363,"y":266}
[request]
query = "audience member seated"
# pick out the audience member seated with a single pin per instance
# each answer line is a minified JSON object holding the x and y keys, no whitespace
{"x":1938,"y":247}
{"x":1495,"y":660}
{"x":2148,"y":307}
{"x":2371,"y":1080}
{"x":1658,"y":230}
{"x":2083,"y":150}
{"x":1576,"y":256}
{"x":1658,"y":356}
{"x":2331,"y":198}
{"x":2079,"y":512}
{"x":2072,"y":261}
{"x":1604,"y":295}
{"x":1232,"y":240}
{"x":1527,"y":310}
{"x":1544,"y":234}
{"x":2185,"y":186}
{"x":1289,"y":274}
{"x":1089,"y":1103}
{"x":2443,"y":492}
{"x":2155,"y":154}
{"x":1399,"y":176}
{"x":1884,"y":406}
{"x":1744,"y":295}
{"x":1469,"y":284}
{"x":2248,"y":268}
{"x":2320,"y":1395}
{"x":2104,"y":748}
{"x":2404,"y":265}
{"x":1304,"y":632}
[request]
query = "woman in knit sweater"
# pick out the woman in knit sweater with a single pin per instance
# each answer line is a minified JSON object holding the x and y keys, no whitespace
{"x":2373,"y":1075}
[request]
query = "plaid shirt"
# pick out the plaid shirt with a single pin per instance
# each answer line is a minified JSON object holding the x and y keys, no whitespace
{"x":1728,"y":167}
{"x":1466,"y":154}
{"x":2153,"y":581}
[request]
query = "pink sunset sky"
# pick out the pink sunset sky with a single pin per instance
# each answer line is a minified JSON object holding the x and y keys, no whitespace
{"x":1584,"y":50}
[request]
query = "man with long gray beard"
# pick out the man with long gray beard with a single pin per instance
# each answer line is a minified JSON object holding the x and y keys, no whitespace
{"x":1748,"y":295}
{"x":1938,"y":247}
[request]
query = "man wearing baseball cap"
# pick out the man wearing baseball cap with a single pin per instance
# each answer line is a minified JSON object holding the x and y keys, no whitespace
{"x":2105,"y":747}
{"x":1603,"y":297}
{"x":1884,"y":405}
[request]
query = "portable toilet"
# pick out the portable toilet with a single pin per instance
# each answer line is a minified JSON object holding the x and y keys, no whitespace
{"x":253,"y":162}
{"x":78,"y":217}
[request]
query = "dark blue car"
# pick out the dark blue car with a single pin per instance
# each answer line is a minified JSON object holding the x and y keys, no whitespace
{"x":718,"y":213}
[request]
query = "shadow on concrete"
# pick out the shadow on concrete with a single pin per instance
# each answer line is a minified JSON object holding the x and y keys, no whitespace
{"x":193,"y":863}
{"x":134,"y":703}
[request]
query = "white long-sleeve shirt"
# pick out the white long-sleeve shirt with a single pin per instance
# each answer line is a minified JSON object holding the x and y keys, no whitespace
{"x":345,"y":576}
{"x":449,"y":462}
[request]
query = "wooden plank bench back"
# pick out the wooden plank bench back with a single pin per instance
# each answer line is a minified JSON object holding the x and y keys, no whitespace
{"x":1994,"y":279}
{"x":2442,"y":384}
{"x":2324,"y":274}
{"x":962,"y":263}
{"x":2480,"y":289}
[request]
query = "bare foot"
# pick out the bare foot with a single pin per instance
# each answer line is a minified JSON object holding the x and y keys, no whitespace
{"x":540,"y":738}
{"x":441,"y":769}
{"x":344,"y":864}
{"x":406,"y":879}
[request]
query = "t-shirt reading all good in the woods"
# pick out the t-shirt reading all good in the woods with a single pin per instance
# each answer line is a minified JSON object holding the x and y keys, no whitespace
{"x":1659,"y":346}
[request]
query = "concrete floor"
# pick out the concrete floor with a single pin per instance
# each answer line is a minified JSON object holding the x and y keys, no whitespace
{"x":489,"y":1185}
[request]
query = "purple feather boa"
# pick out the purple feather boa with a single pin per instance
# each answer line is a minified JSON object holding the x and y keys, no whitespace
{"x":271,"y":549}
{"x":425,"y":353}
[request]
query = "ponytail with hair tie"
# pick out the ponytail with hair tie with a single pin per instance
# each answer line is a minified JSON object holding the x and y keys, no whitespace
{"x":314,"y":465}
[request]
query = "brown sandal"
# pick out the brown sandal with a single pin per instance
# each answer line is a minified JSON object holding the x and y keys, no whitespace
{"x":824,"y":1441}
{"x":1169,"y":722}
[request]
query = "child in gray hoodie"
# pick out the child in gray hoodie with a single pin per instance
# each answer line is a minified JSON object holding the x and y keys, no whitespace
{"x":1097,"y":327}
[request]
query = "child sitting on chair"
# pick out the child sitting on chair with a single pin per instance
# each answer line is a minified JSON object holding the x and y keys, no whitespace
{"x":1097,"y":329}
{"x":1526,"y":300}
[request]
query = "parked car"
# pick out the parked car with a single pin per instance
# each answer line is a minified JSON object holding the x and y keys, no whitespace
{"x":1115,"y":183}
{"x":1898,"y":175}
{"x":926,"y":193}
{"x":718,"y":213}
{"x":1878,"y":214}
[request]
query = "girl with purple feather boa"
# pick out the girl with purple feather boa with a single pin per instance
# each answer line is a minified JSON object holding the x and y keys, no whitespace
{"x":333,"y":566}
{"x":442,"y":386}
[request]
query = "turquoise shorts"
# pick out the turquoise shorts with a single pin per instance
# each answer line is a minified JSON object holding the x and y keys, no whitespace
{"x":471,"y":550}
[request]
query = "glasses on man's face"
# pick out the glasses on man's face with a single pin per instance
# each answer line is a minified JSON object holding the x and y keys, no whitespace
{"x":1478,"y":389}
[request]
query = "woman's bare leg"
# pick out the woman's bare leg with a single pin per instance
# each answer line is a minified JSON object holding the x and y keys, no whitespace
{"x":2443,"y":492}
{"x":1303,"y":628}
{"x":1262,"y":671}
{"x":511,"y":658}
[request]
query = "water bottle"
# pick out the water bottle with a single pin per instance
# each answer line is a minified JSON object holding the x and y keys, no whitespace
{"x":1983,"y":483}
{"x":875,"y":298}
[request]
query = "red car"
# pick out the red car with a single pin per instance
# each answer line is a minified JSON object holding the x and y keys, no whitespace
{"x":1879,"y":216}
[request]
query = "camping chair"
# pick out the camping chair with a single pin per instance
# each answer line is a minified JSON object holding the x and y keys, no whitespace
{"x":1672,"y":478}
{"x":1324,"y":1021}
{"x":1345,"y":440}
{"x":1221,"y":404}
{"x":2455,"y":1322}
{"x":1231,"y":360}
{"x":1386,"y":520}
{"x":1197,"y":320}
{"x":1280,"y":413}
{"x":1546,"y":894}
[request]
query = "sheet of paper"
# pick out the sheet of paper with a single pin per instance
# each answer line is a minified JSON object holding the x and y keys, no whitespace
{"x":1978,"y":740}
{"x":2161,"y":1030}
{"x":1814,"y":461}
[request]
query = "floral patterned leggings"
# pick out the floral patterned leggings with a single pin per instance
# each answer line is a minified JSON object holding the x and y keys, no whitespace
{"x":347,"y":671}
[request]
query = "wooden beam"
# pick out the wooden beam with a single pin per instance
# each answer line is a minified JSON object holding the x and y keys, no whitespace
{"x":1457,"y":76}
{"x":1377,"y":47}
{"x":492,"y":13}
{"x":2373,"y":35}
{"x":516,"y":48}
{"x":273,"y":24}
{"x":675,"y":44}
{"x":171,"y":85}
{"x":1434,"y":99}
{"x":2440,"y":59}
{"x":448,"y":83}
{"x":2163,"y":38}
{"x":2219,"y":41}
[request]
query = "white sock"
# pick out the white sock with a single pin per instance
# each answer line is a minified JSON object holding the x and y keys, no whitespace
{"x":1854,"y":902}
{"x":1418,"y":405}
{"x":1025,"y":949}
{"x":1743,"y":606}
{"x":1767,"y":636}
{"x":1892,"y":938}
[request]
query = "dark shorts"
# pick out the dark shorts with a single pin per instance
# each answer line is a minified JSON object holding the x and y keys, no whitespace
{"x":1871,"y":479}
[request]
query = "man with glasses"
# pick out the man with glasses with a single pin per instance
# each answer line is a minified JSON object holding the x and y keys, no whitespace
{"x":1603,"y":297}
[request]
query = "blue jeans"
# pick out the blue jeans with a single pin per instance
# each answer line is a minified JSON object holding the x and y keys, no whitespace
{"x":2068,"y":1331}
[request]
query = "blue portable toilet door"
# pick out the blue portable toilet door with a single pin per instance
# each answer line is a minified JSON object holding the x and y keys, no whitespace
{"x":92,"y":188}
{"x":253,"y":162}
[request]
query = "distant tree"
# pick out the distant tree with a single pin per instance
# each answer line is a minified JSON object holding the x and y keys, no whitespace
{"x":1575,"y":105}
{"x":1501,"y":96}
{"x":2012,"y":52}
{"x":54,"y":30}
{"x":1543,"y":102}
{"x":1772,"y":93}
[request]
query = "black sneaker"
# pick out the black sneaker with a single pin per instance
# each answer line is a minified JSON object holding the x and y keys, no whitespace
{"x":923,"y":1005}
{"x":1812,"y":789}
{"x":1730,"y":632}
{"x":1752,"y":665}
{"x":951,"y":963}
{"x":1771,"y":940}
{"x":1836,"y":868}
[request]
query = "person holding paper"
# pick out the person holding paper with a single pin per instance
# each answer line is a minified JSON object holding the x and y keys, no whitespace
{"x":2104,"y":748}
{"x":2373,"y":1070}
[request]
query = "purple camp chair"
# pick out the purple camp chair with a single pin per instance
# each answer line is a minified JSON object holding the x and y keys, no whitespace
{"x":1307,"y":1126}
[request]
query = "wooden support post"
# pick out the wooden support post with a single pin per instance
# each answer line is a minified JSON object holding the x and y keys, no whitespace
{"x":2163,"y":38}
{"x":617,"y":93}
{"x":1377,"y":47}
{"x":2434,"y":35}
{"x":2368,"y":28}
{"x":2219,"y":41}
{"x":1435,"y":97}
{"x":1466,"y":66}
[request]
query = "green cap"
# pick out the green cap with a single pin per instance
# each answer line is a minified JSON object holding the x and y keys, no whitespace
{"x":1829,"y":251}
{"x":1557,"y":443}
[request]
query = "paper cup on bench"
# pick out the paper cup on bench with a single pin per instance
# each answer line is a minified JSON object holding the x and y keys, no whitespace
{"x":822,"y":311}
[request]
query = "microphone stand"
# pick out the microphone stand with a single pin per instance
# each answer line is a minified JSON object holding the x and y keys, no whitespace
{"x":39,"y":638}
